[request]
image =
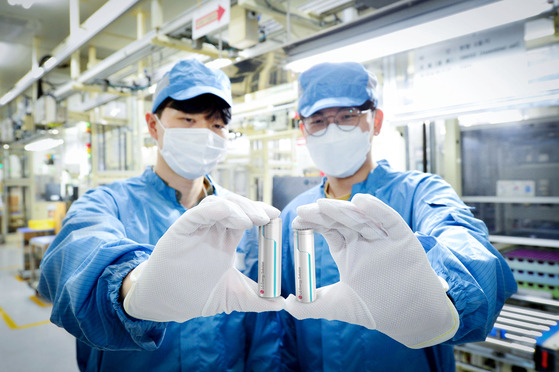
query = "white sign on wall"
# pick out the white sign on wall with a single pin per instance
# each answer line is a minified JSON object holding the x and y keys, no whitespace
{"x":210,"y":17}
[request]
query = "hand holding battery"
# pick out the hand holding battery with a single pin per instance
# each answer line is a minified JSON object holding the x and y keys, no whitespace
{"x":386,"y":282}
{"x":191,"y":271}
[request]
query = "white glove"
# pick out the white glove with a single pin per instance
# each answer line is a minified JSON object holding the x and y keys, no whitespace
{"x":386,"y":282}
{"x":191,"y":272}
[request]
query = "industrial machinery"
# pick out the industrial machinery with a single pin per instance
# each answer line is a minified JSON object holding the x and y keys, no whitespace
{"x":510,"y":177}
{"x":525,"y":338}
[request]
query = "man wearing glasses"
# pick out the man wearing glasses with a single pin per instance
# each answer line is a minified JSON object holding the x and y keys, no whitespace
{"x":403,"y":269}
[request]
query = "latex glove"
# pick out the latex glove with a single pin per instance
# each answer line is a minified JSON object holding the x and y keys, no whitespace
{"x":191,"y":272}
{"x":386,"y":282}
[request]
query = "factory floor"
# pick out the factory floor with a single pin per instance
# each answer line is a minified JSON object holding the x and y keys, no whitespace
{"x":28,"y":340}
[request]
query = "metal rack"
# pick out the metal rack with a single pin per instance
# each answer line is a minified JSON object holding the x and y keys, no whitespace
{"x":525,"y":337}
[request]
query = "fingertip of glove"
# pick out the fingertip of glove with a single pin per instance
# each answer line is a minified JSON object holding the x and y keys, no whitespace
{"x":258,"y":212}
{"x":265,"y":214}
{"x":229,"y":214}
{"x":307,"y":209}
{"x":270,"y":210}
{"x":299,"y":224}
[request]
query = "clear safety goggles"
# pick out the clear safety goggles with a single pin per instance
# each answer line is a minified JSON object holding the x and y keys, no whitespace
{"x":346,"y":119}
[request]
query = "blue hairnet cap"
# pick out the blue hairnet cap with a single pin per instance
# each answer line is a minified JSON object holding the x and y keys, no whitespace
{"x":191,"y":78}
{"x":326,"y":85}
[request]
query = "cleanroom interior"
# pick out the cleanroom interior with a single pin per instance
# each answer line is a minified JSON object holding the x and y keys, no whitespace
{"x":469,"y":91}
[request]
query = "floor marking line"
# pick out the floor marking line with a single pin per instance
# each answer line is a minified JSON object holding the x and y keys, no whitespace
{"x":40,"y":302}
{"x":11,"y":324}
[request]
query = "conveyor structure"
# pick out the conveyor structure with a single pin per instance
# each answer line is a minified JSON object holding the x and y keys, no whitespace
{"x":525,"y":338}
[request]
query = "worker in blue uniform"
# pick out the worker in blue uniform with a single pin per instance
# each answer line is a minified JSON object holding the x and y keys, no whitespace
{"x":383,"y":239}
{"x":143,"y":271}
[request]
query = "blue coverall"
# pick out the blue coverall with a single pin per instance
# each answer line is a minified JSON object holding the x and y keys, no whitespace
{"x":459,"y":251}
{"x":106,"y":233}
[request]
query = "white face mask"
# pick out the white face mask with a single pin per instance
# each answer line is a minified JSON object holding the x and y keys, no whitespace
{"x":192,"y":152}
{"x":339,"y":153}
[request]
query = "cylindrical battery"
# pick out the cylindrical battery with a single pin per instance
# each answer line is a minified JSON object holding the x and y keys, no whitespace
{"x":305,"y":277}
{"x":269,"y":259}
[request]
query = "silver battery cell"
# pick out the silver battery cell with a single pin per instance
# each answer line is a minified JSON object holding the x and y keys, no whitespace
{"x":269,"y":259}
{"x":305,"y":277}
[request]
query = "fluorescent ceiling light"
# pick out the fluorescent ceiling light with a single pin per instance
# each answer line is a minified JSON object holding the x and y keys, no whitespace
{"x":497,"y":117}
{"x":538,"y":28}
{"x":219,"y":63}
{"x":263,"y":100}
{"x":43,"y":144}
{"x":450,"y":27}
{"x":322,"y":6}
{"x":26,"y":4}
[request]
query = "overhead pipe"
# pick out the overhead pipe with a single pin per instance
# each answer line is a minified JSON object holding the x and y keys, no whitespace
{"x":131,"y":53}
{"x":98,"y":21}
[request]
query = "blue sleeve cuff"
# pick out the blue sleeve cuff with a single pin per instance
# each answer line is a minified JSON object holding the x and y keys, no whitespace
{"x":147,"y":335}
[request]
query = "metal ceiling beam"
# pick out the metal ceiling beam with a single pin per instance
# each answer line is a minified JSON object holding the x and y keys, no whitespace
{"x":167,"y":42}
{"x":301,"y":23}
{"x":128,"y":55}
{"x":98,"y":21}
{"x":135,"y":50}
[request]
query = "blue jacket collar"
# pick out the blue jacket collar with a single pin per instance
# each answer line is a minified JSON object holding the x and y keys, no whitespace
{"x":375,"y":179}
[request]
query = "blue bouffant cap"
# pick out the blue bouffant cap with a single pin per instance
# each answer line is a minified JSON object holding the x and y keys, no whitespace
{"x":328,"y":85}
{"x":191,"y":78}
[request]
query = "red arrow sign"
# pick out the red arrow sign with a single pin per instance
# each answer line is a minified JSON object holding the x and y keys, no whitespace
{"x":214,"y":16}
